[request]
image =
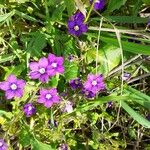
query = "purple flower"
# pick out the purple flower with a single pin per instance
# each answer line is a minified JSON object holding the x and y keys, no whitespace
{"x":148,"y":23}
{"x":78,"y":16}
{"x":71,"y":58}
{"x":99,"y":4}
{"x":39,"y":70}
{"x":148,"y":117}
{"x":76,"y":26}
{"x":3,"y":145}
{"x":29,"y":109}
{"x":12,"y":87}
{"x":54,"y":123}
{"x":88,"y":94}
{"x":126,"y":76}
{"x":75,"y":83}
{"x":55,"y":65}
{"x":63,"y":147}
{"x":48,"y":97}
{"x":94,"y":83}
{"x":109,"y":104}
{"x":68,"y":107}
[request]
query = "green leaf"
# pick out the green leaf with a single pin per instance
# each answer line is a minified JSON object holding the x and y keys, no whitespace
{"x":137,"y":94}
{"x":6,"y":16}
{"x":135,"y":115}
{"x":128,"y":46}
{"x":108,"y":57}
{"x":70,"y":4}
{"x":36,"y":44}
{"x":8,"y":115}
{"x":127,"y":19}
{"x":25,"y":137}
{"x":114,"y":4}
{"x":57,"y":14}
{"x":37,"y":145}
{"x":146,"y":2}
{"x":71,"y":70}
{"x":7,"y":57}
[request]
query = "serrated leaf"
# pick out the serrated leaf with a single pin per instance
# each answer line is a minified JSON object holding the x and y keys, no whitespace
{"x":57,"y":14}
{"x":36,"y":44}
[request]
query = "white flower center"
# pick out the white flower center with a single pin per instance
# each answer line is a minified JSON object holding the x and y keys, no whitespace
{"x":13,"y":86}
{"x":42,"y":70}
{"x":29,"y":108}
{"x":76,"y":82}
{"x":54,"y":65}
{"x":98,"y":1}
{"x":76,"y":28}
{"x":94,"y":83}
{"x":48,"y":96}
{"x":1,"y":144}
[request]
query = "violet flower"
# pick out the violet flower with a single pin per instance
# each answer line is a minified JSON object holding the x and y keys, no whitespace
{"x":13,"y":87}
{"x":70,"y":58}
{"x":39,"y":70}
{"x":3,"y":145}
{"x":48,"y":97}
{"x":55,"y":65}
{"x":148,"y":117}
{"x":126,"y":76}
{"x":76,"y":26}
{"x":75,"y":83}
{"x":63,"y":147}
{"x":88,"y":94}
{"x":29,"y":109}
{"x":68,"y":107}
{"x":109,"y":104}
{"x":99,"y":4}
{"x":94,"y":83}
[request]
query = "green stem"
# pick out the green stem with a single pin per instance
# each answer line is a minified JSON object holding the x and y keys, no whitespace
{"x":89,"y":13}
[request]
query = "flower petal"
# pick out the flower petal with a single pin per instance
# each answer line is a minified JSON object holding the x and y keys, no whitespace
{"x":48,"y":104}
{"x":51,"y":57}
{"x":4,"y":86}
{"x":41,"y":100}
{"x":34,"y":66}
{"x":43,"y":62}
{"x":60,"y":60}
{"x":9,"y":94}
{"x":19,"y":93}
{"x":11,"y":78}
{"x":44,"y":78}
{"x":34,"y":75}
{"x":21,"y":83}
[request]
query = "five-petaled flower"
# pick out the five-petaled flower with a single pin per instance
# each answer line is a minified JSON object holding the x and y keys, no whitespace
{"x":29,"y":109}
{"x":75,"y":83}
{"x":3,"y":145}
{"x":48,"y":97}
{"x":13,"y":87}
{"x":88,"y":94}
{"x":39,"y":70}
{"x":99,"y":4}
{"x":76,"y":25}
{"x":94,"y":83}
{"x":55,"y":65}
